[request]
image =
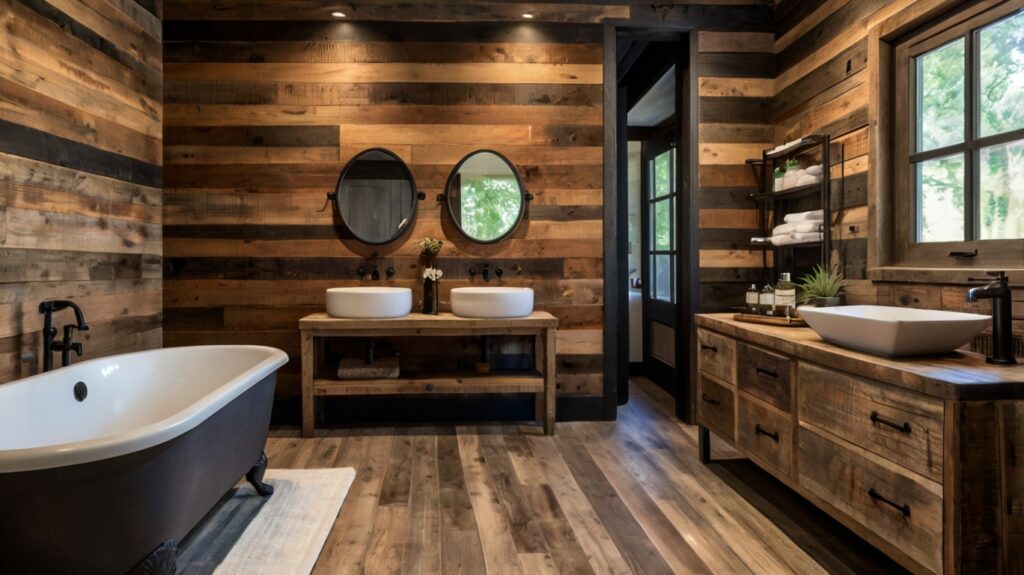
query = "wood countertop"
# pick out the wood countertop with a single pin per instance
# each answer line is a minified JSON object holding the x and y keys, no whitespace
{"x":957,"y":375}
{"x":419,"y":321}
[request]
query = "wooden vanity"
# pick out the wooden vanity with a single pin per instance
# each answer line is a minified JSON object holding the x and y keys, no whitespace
{"x":922,"y":457}
{"x":541,"y":325}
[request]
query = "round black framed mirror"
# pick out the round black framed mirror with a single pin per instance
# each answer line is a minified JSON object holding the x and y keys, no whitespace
{"x":485,"y":196}
{"x":376,"y":196}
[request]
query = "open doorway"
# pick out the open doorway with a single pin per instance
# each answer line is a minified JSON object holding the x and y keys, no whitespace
{"x":655,"y":165}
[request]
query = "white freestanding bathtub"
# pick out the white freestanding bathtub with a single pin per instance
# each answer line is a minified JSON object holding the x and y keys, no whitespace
{"x":105,"y":462}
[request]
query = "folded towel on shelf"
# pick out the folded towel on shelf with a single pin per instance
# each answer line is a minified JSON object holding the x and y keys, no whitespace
{"x":814,"y":170}
{"x":382,"y":368}
{"x":811,"y":216}
{"x":797,"y":238}
{"x":806,"y":180}
{"x":796,"y":228}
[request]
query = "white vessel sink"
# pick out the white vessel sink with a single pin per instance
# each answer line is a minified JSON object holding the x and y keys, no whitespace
{"x":497,"y":302}
{"x":369,"y":302}
{"x":894,"y":331}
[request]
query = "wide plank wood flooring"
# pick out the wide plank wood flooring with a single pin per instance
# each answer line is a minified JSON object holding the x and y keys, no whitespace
{"x":600,"y":497}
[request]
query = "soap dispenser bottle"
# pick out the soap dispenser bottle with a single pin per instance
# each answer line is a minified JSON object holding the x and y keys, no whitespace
{"x":766,"y":299}
{"x":752,"y":297}
{"x":785,"y":296}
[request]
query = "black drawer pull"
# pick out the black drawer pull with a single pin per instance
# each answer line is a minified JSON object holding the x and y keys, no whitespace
{"x":876,"y":496}
{"x":761,"y":431}
{"x":705,"y":397}
{"x":905,"y":428}
{"x":706,"y":347}
{"x":768,"y":372}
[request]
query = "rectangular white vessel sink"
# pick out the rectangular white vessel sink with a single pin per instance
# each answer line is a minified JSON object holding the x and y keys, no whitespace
{"x":369,"y":302}
{"x":894,"y":331}
{"x":492,"y":302}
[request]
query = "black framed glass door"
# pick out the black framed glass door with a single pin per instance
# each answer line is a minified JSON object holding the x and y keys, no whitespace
{"x":660,"y":260}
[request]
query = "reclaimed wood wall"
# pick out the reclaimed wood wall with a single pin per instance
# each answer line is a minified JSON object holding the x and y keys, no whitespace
{"x":821,"y":71}
{"x":735,"y":111}
{"x":80,"y":174}
{"x":262,"y":116}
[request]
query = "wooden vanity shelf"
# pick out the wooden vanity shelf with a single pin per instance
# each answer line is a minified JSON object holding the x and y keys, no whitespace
{"x":541,"y":325}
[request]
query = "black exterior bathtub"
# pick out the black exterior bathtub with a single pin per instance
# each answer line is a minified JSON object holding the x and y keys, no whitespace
{"x":107,"y":516}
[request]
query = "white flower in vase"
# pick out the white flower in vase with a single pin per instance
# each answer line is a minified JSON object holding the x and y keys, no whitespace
{"x":433,"y":274}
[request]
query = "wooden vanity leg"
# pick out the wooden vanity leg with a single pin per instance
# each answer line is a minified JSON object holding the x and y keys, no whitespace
{"x":703,"y":444}
{"x":307,"y":384}
{"x":539,"y":398}
{"x":550,"y":384}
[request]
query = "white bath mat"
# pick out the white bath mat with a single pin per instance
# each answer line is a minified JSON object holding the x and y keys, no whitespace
{"x":283,"y":534}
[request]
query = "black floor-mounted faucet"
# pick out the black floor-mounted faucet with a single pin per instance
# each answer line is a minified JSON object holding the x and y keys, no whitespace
{"x":1002,"y":316}
{"x":67,"y":344}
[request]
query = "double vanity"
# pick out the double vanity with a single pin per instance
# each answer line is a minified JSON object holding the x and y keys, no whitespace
{"x":923,"y":457}
{"x":366,"y":313}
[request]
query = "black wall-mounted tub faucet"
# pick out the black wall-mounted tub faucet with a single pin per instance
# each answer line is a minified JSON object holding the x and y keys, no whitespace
{"x":67,"y":344}
{"x":1002,"y":316}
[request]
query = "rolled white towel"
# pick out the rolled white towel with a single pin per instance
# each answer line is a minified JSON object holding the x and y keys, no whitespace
{"x":796,"y":228}
{"x":793,"y":239}
{"x":814,"y":170}
{"x":811,"y":216}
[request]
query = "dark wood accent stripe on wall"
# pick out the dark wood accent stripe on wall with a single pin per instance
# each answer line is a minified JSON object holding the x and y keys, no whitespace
{"x":81,"y":155}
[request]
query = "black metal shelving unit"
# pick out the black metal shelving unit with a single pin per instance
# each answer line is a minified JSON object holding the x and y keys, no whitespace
{"x":773,"y":206}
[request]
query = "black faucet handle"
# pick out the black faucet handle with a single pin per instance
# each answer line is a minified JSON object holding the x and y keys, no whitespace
{"x":498,"y":271}
{"x":472,"y":271}
{"x":390,"y":272}
{"x":77,"y":348}
{"x":361,"y":271}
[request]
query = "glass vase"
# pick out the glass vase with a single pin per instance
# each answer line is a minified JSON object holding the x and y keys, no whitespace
{"x":430,"y":293}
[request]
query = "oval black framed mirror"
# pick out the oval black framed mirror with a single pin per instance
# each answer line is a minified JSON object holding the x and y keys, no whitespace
{"x":485,"y":196}
{"x":376,"y":196}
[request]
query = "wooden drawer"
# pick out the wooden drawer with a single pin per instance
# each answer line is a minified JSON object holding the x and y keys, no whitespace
{"x":901,"y":426}
{"x":899,"y":507}
{"x":716,"y":355}
{"x":766,"y":433}
{"x":716,"y":406}
{"x":765,"y":375}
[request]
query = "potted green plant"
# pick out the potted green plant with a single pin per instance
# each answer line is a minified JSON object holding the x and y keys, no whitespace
{"x":822,"y":287}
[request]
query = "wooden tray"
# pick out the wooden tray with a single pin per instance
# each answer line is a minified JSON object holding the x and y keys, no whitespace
{"x":769,"y":320}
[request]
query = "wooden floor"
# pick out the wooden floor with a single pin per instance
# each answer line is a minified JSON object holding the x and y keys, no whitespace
{"x":604,"y":497}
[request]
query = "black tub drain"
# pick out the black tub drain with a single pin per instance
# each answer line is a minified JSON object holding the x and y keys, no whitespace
{"x":81,"y":391}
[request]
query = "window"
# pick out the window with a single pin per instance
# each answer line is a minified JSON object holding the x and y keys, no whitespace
{"x":662,"y":204}
{"x":959,"y":141}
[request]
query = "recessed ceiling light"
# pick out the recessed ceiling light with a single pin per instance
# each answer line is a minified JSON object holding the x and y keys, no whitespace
{"x":338,"y":14}
{"x":528,"y":16}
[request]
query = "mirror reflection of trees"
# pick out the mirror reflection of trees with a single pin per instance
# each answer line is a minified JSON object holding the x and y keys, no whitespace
{"x":490,"y":206}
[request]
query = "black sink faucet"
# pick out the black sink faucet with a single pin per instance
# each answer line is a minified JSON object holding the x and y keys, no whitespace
{"x":67,"y":344}
{"x":486,"y":273}
{"x":1002,"y":316}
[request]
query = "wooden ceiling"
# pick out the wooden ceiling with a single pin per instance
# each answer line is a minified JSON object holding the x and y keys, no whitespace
{"x":365,"y":10}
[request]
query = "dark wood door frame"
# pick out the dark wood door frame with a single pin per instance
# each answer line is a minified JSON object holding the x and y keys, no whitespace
{"x":616,"y":213}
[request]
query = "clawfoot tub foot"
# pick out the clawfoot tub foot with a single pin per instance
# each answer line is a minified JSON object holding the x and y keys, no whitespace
{"x":255,"y":476}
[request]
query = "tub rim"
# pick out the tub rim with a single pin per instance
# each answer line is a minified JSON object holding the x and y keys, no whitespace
{"x":110,"y":446}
